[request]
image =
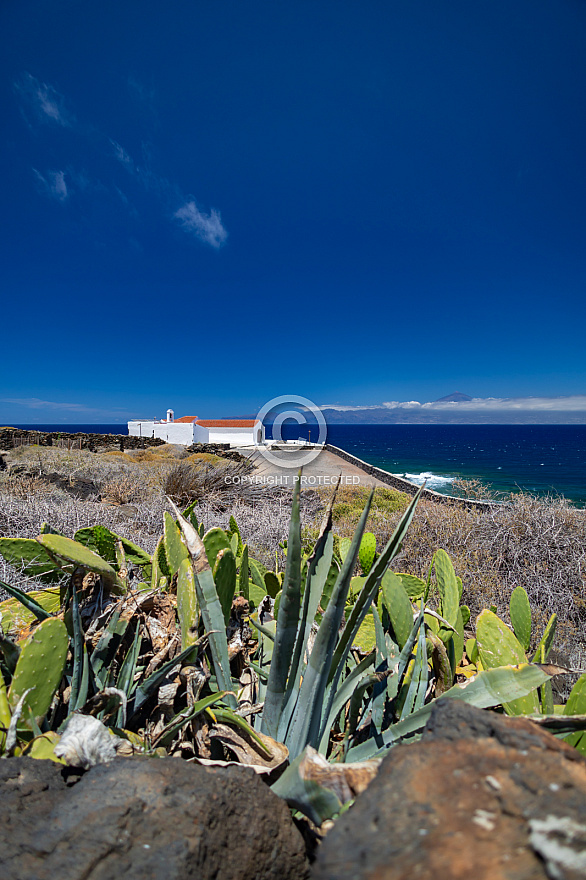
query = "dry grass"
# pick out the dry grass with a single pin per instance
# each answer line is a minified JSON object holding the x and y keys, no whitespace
{"x":539,"y":544}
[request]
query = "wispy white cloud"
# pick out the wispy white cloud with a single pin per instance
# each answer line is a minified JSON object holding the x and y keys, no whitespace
{"x":48,"y":105}
{"x":45,"y":102}
{"x":37,"y":403}
{"x":53,"y":184}
{"x":570,"y":403}
{"x":207,"y":227}
{"x":122,"y":156}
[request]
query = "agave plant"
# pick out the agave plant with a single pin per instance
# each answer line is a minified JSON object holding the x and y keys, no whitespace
{"x":148,"y":644}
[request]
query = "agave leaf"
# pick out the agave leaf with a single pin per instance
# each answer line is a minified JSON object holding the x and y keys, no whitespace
{"x":318,"y":568}
{"x":492,"y":687}
{"x":78,"y":654}
{"x":287,"y":624}
{"x":546,"y":641}
{"x":165,"y":737}
{"x":343,"y":694}
{"x":147,"y":687}
{"x":106,"y":648}
{"x":399,"y":667}
{"x":301,"y":792}
{"x":379,"y":690}
{"x":210,"y":607}
{"x":307,"y":717}
{"x":367,"y":595}
{"x":125,"y":681}
{"x":229,"y":717}
{"x":418,"y":684}
{"x":243,"y":577}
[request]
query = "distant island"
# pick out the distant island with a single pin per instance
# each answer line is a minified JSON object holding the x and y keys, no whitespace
{"x":458,"y":408}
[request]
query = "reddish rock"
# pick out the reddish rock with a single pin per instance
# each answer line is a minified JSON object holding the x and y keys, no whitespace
{"x":480,"y":797}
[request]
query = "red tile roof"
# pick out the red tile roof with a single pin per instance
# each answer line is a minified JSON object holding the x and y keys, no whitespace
{"x":225,"y":423}
{"x":187,"y":419}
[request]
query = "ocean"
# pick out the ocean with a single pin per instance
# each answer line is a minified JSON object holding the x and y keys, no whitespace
{"x":542,"y":459}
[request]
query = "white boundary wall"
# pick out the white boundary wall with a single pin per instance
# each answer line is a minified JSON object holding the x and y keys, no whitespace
{"x":186,"y":433}
{"x":170,"y":432}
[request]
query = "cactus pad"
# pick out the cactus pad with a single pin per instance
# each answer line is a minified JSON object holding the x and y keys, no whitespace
{"x":40,"y":666}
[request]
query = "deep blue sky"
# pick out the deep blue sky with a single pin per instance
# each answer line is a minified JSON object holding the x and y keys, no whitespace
{"x":207,"y":204}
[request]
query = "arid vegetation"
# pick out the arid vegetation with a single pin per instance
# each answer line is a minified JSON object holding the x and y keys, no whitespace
{"x":536,"y":543}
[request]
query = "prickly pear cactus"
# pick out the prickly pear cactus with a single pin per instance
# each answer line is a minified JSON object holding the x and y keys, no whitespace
{"x":175,"y":549}
{"x":448,"y":587}
{"x":225,"y":580}
{"x":398,"y":606}
{"x":160,"y":567}
{"x":5,"y":713}
{"x":214,"y":541}
{"x":72,"y":552}
{"x":187,"y":604}
{"x":272,"y":583}
{"x":520,"y":612}
{"x":42,"y":747}
{"x":15,"y":617}
{"x":40,"y":666}
{"x":29,"y":557}
{"x":235,"y":533}
{"x":414,"y":586}
{"x":498,"y":646}
{"x":343,"y":547}
{"x":367,"y":552}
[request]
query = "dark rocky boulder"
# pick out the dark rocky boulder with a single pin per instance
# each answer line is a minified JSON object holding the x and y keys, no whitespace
{"x":143,"y":819}
{"x":480,"y":796}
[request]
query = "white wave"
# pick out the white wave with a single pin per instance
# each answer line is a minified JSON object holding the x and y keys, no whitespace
{"x":432,"y":481}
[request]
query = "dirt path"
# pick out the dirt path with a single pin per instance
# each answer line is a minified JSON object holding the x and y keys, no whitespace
{"x":322,"y":471}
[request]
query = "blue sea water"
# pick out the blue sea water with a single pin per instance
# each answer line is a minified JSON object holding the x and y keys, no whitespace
{"x":543,"y":459}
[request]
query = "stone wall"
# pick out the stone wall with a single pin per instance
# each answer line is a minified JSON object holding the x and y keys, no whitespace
{"x":404,"y":485}
{"x":12,"y":437}
{"x":222,"y":449}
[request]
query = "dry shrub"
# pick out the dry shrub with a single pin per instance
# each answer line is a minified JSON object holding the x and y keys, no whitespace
{"x":24,"y":486}
{"x":219,"y":484}
{"x":207,"y":457}
{"x":536,"y":543}
{"x":157,"y":454}
{"x":121,"y":489}
{"x":387,"y":506}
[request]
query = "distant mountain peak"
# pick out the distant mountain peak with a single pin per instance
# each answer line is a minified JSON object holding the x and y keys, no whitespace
{"x":455,"y":397}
